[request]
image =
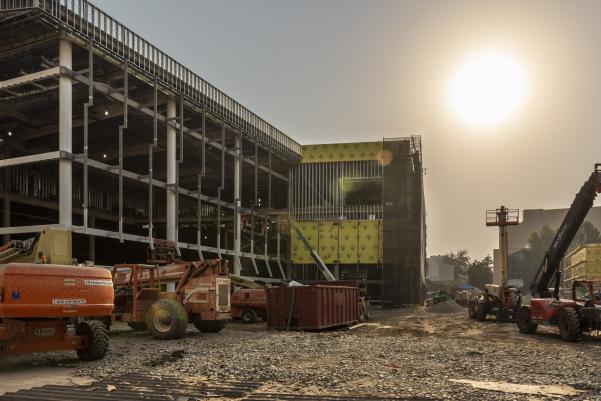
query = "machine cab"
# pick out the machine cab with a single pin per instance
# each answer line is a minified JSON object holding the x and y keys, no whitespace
{"x":587,"y":292}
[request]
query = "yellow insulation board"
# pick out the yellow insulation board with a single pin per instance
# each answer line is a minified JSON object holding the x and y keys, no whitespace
{"x":344,"y":242}
{"x":338,"y":152}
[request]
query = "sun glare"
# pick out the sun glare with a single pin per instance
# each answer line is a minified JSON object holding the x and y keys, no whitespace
{"x":487,"y":89}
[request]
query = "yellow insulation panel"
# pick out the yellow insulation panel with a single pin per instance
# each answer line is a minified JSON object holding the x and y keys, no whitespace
{"x":344,"y":242}
{"x":299,"y":253}
{"x":369,"y":244}
{"x":328,"y":241}
{"x":348,"y":241}
{"x":338,"y":152}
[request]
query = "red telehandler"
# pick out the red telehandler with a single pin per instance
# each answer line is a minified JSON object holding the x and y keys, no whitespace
{"x":581,"y":313}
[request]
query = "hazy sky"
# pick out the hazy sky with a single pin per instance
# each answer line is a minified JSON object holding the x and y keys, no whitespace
{"x":327,"y":71}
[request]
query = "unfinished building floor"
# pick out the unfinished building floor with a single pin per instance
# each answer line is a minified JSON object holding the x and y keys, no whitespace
{"x":399,"y":353}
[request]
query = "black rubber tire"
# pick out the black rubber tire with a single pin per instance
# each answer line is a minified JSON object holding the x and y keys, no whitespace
{"x":362,"y":312}
{"x":167,"y":319}
{"x":138,"y":326}
{"x":106,"y":320}
{"x":471,"y":309}
{"x":524,"y":321}
{"x":210,"y":326}
{"x":97,"y":340}
{"x":480,"y":311}
{"x":249,"y":315}
{"x":569,"y":324}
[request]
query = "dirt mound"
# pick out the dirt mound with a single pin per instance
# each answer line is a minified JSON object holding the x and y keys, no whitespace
{"x":449,"y":306}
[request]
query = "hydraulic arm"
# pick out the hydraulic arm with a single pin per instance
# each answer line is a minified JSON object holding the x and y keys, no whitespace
{"x":320,"y":264}
{"x":549,"y":268}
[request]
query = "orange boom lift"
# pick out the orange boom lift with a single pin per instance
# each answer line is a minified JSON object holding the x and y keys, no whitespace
{"x":48,"y":304}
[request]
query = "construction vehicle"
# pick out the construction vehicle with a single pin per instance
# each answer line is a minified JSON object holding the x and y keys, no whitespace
{"x":49,"y":304}
{"x":497,"y":300}
{"x":581,"y":313}
{"x":248,"y":304}
{"x":201,"y":294}
{"x":249,"y":299}
{"x":362,"y":304}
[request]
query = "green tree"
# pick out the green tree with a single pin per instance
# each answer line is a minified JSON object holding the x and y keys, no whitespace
{"x":587,"y":234}
{"x":479,"y":272}
{"x":460,"y":262}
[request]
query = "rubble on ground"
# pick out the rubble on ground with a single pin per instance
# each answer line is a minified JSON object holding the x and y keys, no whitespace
{"x":410,"y":353}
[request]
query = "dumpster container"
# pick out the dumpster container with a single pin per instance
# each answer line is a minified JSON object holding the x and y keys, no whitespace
{"x":312,"y":307}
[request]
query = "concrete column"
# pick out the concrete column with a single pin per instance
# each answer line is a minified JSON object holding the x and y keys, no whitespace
{"x":65,"y":142}
{"x":237,"y":200}
{"x":171,"y":169}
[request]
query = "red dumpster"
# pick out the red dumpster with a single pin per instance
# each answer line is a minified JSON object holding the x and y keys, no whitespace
{"x":313,"y":307}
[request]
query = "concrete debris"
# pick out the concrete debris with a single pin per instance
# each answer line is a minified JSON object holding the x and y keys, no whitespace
{"x":417,"y":355}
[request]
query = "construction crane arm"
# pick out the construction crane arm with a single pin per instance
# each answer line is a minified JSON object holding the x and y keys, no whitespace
{"x":549,"y":268}
{"x":320,"y":264}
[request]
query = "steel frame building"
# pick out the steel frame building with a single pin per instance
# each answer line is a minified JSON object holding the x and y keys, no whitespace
{"x":106,"y":135}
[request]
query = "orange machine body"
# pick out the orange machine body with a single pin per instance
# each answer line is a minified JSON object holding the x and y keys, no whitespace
{"x":249,"y":298}
{"x":30,"y":290}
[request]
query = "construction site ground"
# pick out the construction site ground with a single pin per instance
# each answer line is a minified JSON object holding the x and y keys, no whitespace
{"x":401,"y":352}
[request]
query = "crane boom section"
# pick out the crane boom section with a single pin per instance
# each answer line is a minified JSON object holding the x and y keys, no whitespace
{"x":580,"y":207}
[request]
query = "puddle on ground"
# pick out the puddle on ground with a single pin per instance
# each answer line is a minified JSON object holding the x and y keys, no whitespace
{"x":556,"y":391}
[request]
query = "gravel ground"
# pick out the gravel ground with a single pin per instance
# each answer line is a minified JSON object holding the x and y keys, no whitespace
{"x":400,"y":352}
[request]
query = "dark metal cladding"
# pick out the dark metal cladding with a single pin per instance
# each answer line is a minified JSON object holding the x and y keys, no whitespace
{"x":314,"y":307}
{"x":403,"y":274}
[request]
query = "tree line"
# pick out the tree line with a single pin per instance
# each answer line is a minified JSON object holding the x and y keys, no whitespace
{"x":478,"y":272}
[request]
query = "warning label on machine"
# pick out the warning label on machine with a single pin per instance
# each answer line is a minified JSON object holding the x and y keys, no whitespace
{"x":103,"y":283}
{"x":76,"y":301}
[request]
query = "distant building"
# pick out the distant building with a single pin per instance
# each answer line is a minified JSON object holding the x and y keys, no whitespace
{"x":533,"y":220}
{"x":439,"y":270}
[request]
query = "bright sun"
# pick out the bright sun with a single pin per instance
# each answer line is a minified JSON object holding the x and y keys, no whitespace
{"x":487,"y":89}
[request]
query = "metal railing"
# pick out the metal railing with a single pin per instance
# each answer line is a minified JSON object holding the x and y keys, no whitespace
{"x":85,"y":19}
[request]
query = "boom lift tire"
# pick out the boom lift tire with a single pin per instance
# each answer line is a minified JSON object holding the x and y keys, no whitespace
{"x":138,"y":326}
{"x":480,"y":312}
{"x":249,"y":315}
{"x":106,"y":320}
{"x":569,"y":324}
{"x":209,"y":326}
{"x":524,"y":321}
{"x":167,"y":319}
{"x":471,"y":308}
{"x":97,"y":340}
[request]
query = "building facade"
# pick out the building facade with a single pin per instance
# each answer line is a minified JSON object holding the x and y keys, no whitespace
{"x":361,"y":207}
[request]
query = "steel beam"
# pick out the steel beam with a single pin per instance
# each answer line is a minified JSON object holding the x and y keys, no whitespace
{"x":122,"y":128}
{"x":86,"y":110}
{"x":30,"y":78}
{"x":237,"y":202}
{"x":30,"y":159}
{"x":110,"y":92}
{"x":65,"y":134}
